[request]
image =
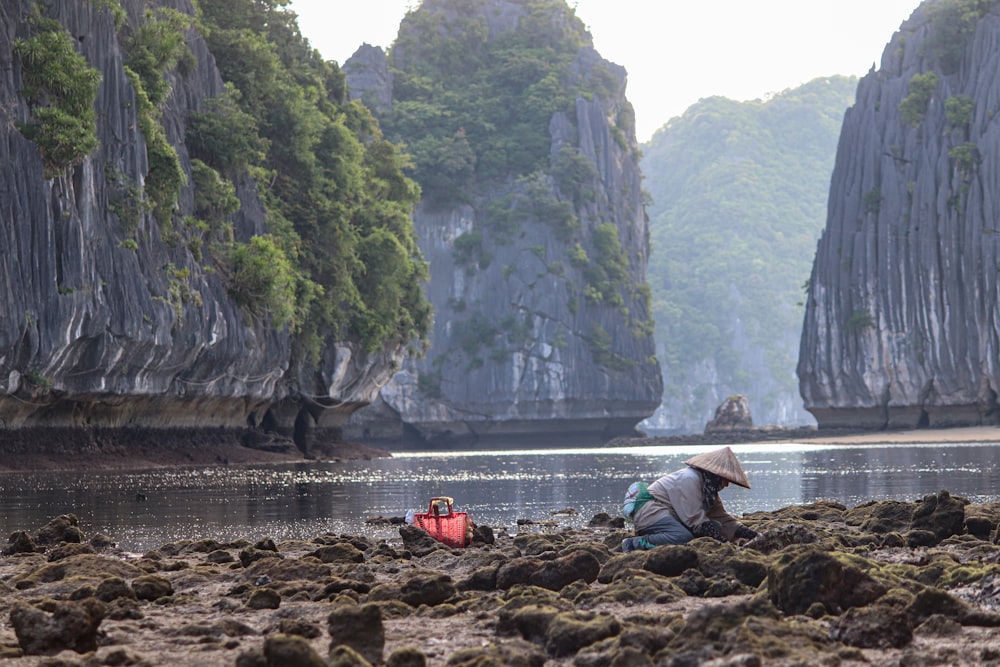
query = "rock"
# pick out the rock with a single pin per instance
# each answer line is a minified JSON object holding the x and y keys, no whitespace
{"x":817,"y":576}
{"x":510,"y":653}
{"x":299,"y":627}
{"x":55,"y":626}
{"x":938,"y":625}
{"x":605,"y":520}
{"x":282,"y":569}
{"x":775,"y":539}
{"x":733,"y":414}
{"x":941,"y":513}
{"x":63,"y":528}
{"x":291,"y":651}
{"x":482,"y":534}
{"x":101,"y":541}
{"x":345,"y":656}
{"x":151,"y":587}
{"x":418,"y":541}
{"x":568,"y":632}
{"x":220,"y":556}
{"x":113,"y":588}
{"x":253,"y":554}
{"x":875,"y":626}
{"x":671,"y":560}
{"x":67,"y":549}
{"x":496,"y":396}
{"x":406,"y":657}
{"x":339,"y":553}
{"x":20,"y":542}
{"x":264,"y":598}
{"x":358,"y":627}
{"x":429,"y":588}
{"x":879,"y":345}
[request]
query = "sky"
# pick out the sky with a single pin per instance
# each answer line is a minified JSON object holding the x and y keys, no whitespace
{"x":675,"y":51}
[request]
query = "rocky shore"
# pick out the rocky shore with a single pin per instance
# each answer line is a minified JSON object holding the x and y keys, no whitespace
{"x":884,"y":583}
{"x":55,"y":449}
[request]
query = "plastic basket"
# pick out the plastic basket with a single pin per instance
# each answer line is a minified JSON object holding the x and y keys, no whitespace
{"x":446,"y":526}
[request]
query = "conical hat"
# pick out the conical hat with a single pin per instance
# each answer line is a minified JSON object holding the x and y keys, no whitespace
{"x":723,"y":463}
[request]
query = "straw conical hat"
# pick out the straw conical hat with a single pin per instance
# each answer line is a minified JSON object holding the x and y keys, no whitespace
{"x":723,"y":463}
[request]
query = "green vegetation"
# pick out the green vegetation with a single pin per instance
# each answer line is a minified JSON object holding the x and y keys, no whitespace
{"x":739,"y":195}
{"x":61,"y":89}
{"x":958,"y":110}
{"x":262,"y":279}
{"x":341,"y":261}
{"x":966,"y":157}
{"x":952,"y":25}
{"x":859,"y":321}
{"x":914,"y":105}
{"x":473,"y":110}
{"x":872,"y":200}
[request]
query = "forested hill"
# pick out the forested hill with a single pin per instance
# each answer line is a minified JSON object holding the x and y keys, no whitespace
{"x":197,"y":228}
{"x":738,"y":199}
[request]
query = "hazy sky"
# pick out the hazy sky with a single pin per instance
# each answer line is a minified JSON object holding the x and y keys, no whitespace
{"x":675,"y":51}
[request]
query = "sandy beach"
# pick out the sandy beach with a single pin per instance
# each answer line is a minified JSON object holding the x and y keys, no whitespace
{"x":950,"y":435}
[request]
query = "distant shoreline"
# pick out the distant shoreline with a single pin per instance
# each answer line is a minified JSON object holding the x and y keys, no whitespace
{"x":144,"y":451}
{"x":777,"y":435}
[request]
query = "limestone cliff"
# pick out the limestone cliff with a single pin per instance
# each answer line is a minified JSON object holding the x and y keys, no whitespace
{"x":901,"y":326}
{"x":542,"y":321}
{"x":106,"y":320}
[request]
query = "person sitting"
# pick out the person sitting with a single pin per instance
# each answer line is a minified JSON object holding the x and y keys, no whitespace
{"x":685,"y":504}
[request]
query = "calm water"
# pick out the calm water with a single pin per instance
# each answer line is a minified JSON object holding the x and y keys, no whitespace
{"x":497,"y":488}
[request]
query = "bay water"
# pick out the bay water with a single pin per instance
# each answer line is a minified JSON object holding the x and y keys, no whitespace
{"x":552,"y":487}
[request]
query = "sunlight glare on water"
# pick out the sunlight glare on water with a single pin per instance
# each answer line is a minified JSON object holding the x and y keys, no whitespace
{"x":144,"y":510}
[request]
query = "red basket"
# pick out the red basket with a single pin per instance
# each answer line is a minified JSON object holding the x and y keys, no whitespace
{"x":450,"y":527}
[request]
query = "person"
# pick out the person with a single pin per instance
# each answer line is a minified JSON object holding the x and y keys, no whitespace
{"x":685,"y":504}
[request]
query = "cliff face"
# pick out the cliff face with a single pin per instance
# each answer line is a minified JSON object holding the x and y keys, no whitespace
{"x":107,"y":323}
{"x":539,"y":331}
{"x":901,"y":327}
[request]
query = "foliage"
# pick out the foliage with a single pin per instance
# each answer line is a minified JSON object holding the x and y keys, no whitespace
{"x":155,"y":47}
{"x":225,"y":136}
{"x":164,"y":177}
{"x":914,"y":105}
{"x":606,"y":275}
{"x":958,"y":110}
{"x":338,"y":202}
{"x":859,"y":321}
{"x":872,"y":200}
{"x":952,"y":24}
{"x":966,"y":157}
{"x":61,"y":89}
{"x":475,"y":108}
{"x":738,"y":200}
{"x":261,"y":279}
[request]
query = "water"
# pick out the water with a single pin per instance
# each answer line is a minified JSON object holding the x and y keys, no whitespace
{"x":497,"y":488}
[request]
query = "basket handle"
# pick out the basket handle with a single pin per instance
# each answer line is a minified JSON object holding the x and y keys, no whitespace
{"x":433,"y":508}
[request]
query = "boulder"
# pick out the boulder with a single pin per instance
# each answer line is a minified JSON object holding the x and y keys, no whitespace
{"x":817,"y":576}
{"x":54,"y":626}
{"x":875,"y":626}
{"x":358,"y":627}
{"x":733,"y":414}
{"x":940,"y":513}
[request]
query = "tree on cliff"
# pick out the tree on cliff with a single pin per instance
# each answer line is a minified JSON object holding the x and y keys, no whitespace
{"x":337,"y":199}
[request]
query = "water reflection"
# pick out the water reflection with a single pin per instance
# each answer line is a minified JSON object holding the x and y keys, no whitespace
{"x":497,"y":488}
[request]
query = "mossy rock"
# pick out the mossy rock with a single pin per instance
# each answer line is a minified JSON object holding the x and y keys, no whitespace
{"x":795,"y":583}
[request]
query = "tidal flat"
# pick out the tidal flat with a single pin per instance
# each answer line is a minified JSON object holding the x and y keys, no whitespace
{"x":882,"y":583}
